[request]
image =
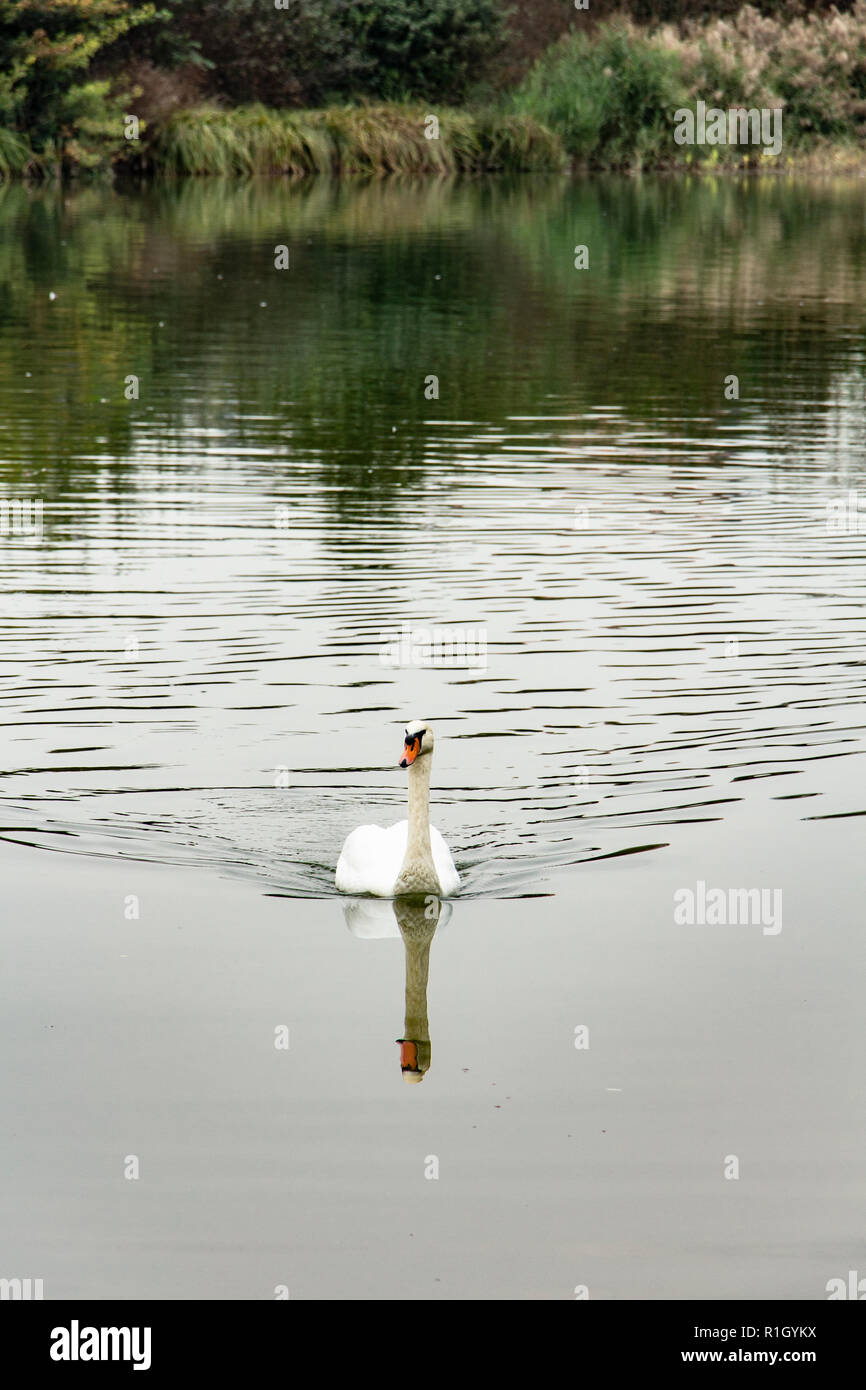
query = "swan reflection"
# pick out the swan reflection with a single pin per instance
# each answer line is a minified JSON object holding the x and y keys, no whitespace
{"x":415,"y":919}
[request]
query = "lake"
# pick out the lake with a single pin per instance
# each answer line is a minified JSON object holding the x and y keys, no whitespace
{"x":573,"y":470}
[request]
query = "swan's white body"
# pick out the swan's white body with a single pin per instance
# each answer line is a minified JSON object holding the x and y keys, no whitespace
{"x":371,"y":860}
{"x":409,"y":857}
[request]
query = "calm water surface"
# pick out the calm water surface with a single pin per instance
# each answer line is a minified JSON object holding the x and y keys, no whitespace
{"x":194,"y":642}
{"x":666,"y":616}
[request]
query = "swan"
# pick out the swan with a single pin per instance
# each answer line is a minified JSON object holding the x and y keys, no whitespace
{"x":411,"y":856}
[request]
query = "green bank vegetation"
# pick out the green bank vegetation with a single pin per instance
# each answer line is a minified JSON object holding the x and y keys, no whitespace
{"x":304,"y":87}
{"x":611,"y":94}
{"x":351,"y":140}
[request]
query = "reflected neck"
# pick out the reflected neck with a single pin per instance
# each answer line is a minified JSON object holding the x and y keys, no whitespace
{"x":416,"y":1025}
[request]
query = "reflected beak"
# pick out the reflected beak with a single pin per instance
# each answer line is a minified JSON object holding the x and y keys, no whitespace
{"x":410,"y":752}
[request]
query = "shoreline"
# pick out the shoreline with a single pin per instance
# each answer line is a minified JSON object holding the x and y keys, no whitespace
{"x":375,"y":141}
{"x":623,"y":94}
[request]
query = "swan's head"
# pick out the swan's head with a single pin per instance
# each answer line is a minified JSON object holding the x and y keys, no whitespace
{"x":417,"y":742}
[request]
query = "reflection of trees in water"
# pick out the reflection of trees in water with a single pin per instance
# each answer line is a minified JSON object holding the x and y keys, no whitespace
{"x":690,"y":279}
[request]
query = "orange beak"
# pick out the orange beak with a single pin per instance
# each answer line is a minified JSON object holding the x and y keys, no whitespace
{"x":408,"y":1055}
{"x":410,"y":752}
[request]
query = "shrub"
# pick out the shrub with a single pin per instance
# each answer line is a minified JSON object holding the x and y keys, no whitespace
{"x":433,"y":49}
{"x":610,"y":95}
{"x":256,"y":53}
{"x":814,"y":65}
{"x":48,"y":97}
{"x":159,"y":92}
{"x":316,"y":51}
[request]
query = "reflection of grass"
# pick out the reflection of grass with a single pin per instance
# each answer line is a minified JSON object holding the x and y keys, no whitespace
{"x":470,"y":279}
{"x":362,"y":209}
{"x":388,"y":139}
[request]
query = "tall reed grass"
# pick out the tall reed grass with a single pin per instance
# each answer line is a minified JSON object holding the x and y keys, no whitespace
{"x":16,"y":156}
{"x":382,"y":139}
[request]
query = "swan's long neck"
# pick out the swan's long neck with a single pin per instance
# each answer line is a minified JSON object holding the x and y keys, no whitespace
{"x":418,"y":874}
{"x":418,"y":846}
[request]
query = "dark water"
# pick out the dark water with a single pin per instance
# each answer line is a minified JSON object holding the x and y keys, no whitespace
{"x":191,"y":650}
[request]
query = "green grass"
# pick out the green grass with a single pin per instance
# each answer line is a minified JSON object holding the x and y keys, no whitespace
{"x":385,"y":139}
{"x":16,"y":157}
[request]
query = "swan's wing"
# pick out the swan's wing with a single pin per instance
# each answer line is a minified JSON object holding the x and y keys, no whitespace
{"x":448,"y":876}
{"x":371,"y":859}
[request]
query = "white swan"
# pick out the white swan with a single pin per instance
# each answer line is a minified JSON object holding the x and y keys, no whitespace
{"x":411,"y":856}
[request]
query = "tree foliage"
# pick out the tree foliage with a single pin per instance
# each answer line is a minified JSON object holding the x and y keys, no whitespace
{"x":49,"y":97}
{"x":308,"y":52}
